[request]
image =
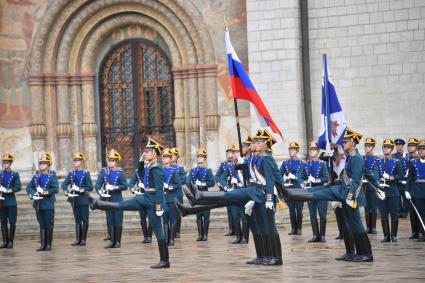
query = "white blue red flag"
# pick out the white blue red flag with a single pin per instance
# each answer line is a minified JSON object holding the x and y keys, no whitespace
{"x":333,"y":122}
{"x":242,"y":87}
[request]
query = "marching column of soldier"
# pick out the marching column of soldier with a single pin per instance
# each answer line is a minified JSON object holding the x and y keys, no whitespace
{"x":250,"y":186}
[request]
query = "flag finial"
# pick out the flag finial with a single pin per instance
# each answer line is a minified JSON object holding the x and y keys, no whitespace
{"x":226,"y":24}
{"x":325,"y":50}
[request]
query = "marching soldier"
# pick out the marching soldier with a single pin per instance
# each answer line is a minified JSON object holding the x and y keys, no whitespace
{"x":289,"y":171}
{"x":153,"y":199}
{"x":80,"y":182}
{"x":258,"y":198}
{"x":172,"y":187}
{"x":229,"y":159}
{"x":109,"y":185}
{"x":42,"y":189}
{"x":314,"y":173}
{"x":10,"y":184}
{"x":201,"y":178}
{"x":371,"y":169}
{"x":355,"y":236}
{"x":182,"y":173}
{"x":412,"y":153}
{"x":136,"y":187}
{"x":415,"y":187}
{"x":391,"y":172}
{"x":399,"y":147}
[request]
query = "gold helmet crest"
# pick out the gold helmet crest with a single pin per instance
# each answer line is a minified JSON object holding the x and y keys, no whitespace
{"x":8,"y":157}
{"x":79,"y":156}
{"x":202,"y":152}
{"x":45,"y":157}
{"x":155,"y":146}
{"x":113,"y":154}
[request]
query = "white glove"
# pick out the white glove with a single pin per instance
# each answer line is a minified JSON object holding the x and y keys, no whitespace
{"x":234,"y":181}
{"x":311,"y":179}
{"x":82,"y":190}
{"x":109,"y":187}
{"x":198,"y":183}
{"x":3,"y":189}
{"x":407,"y":194}
{"x":269,"y":205}
{"x":159,"y":213}
{"x":241,"y":160}
{"x":292,"y":176}
{"x":248,"y":207}
{"x":39,"y":190}
{"x":336,"y":204}
{"x":380,"y":194}
{"x":404,"y":182}
{"x":141,"y":185}
{"x":165,"y":186}
{"x":385,"y":176}
{"x":365,"y":181}
{"x":75,"y":188}
{"x":285,"y":178}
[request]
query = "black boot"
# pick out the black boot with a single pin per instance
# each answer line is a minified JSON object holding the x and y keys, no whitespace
{"x":144,"y":226}
{"x":205,"y":230}
{"x":101,"y":204}
{"x":373,"y":217}
{"x":178,"y":226}
{"x":293,"y":224}
{"x":84,"y":234}
{"x":118,"y":234}
{"x":394,"y":230}
{"x":111,"y":230}
{"x":150,"y":230}
{"x":295,"y":195}
{"x":245,"y":233}
{"x":166,"y":230}
{"x":349,"y":246}
{"x":77,"y":235}
{"x":258,"y":250}
{"x":42,"y":240}
{"x":230,"y":222}
{"x":189,"y":195}
{"x":322,"y":230}
{"x":414,"y":225}
{"x":11,"y":237}
{"x":49,"y":239}
{"x":274,"y":248}
{"x":199,"y":224}
{"x":189,"y":210}
{"x":108,"y":237}
{"x":164,"y":261}
{"x":386,"y":230}
{"x":315,"y":228}
{"x":339,"y":221}
{"x":171,"y":234}
{"x":367,"y":218}
{"x":363,"y":247}
{"x":5,"y":235}
{"x":299,"y":223}
{"x":208,"y":197}
{"x":238,"y":233}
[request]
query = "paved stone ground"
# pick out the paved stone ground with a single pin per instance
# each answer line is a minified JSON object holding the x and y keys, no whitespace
{"x":215,"y":261}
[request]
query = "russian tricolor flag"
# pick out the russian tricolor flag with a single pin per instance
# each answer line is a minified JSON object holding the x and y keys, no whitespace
{"x":242,"y":87}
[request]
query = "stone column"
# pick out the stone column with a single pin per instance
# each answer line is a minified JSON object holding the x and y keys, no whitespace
{"x":179,"y":120}
{"x":89,"y":125}
{"x":193,"y":101}
{"x":63,"y":126}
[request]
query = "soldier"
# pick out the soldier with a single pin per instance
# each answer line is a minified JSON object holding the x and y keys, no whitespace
{"x":258,"y":198}
{"x":182,"y":174}
{"x":412,"y":153}
{"x":153,"y":199}
{"x":399,"y":147}
{"x":232,"y":179}
{"x":109,"y":185}
{"x":201,"y":178}
{"x":80,"y":182}
{"x":136,"y":187}
{"x":355,"y":236}
{"x":391,"y":172}
{"x":172,"y":187}
{"x":42,"y":189}
{"x":314,"y":173}
{"x":229,"y":159}
{"x":10,"y":184}
{"x":415,"y":187}
{"x":289,"y":171}
{"x":372,"y":169}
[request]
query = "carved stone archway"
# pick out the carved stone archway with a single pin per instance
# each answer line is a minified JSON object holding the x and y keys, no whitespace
{"x":65,"y":58}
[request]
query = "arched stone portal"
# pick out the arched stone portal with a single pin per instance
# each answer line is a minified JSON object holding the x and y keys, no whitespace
{"x":66,"y":54}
